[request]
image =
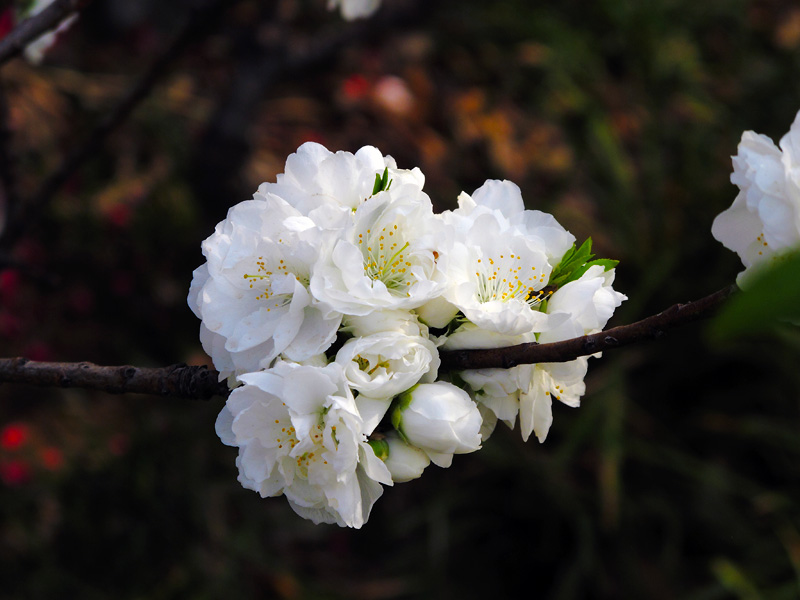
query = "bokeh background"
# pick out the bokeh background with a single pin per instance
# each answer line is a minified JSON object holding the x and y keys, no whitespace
{"x":679,"y":477}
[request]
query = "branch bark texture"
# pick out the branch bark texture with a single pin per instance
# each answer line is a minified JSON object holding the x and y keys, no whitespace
{"x":181,"y":381}
{"x":177,"y":381}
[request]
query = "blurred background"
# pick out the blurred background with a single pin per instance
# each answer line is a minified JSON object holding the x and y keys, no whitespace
{"x":679,"y":477}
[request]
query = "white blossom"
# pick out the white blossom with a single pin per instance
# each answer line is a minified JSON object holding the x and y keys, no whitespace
{"x":328,"y":186}
{"x":299,"y":433}
{"x":383,"y":365}
{"x":386,"y":257}
{"x":499,"y":260}
{"x":383,"y":321}
{"x":355,"y":9}
{"x":763,"y":223}
{"x":252,"y":295}
{"x":405,"y":462}
{"x":440,"y":419}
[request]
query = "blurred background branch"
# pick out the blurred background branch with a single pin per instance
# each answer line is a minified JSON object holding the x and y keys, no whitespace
{"x":32,"y":28}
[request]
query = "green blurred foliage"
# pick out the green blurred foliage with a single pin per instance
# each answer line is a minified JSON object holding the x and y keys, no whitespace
{"x":677,"y":478}
{"x":771,"y":300}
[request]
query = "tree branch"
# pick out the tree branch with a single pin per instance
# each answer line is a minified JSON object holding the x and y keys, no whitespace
{"x":31,"y":29}
{"x":201,"y":383}
{"x":178,"y":381}
{"x":646,"y":329}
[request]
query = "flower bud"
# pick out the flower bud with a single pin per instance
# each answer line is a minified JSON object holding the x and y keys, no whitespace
{"x":439,"y":419}
{"x":404,"y":462}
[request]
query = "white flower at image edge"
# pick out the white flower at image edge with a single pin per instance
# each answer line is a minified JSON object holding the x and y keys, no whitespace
{"x":355,"y":9}
{"x":440,"y":419}
{"x":299,"y":433}
{"x":763,"y":223}
{"x":251,"y":294}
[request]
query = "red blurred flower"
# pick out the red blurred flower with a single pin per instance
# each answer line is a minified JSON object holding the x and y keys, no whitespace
{"x":15,"y":472}
{"x":52,"y":458}
{"x":14,"y":436}
{"x":355,"y":87}
{"x":6,"y":22}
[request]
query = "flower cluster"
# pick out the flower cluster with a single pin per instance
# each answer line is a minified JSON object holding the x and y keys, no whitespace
{"x":326,"y":299}
{"x":763,"y":223}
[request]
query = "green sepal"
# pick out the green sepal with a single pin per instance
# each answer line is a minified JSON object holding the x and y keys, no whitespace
{"x":380,"y":448}
{"x":399,"y":404}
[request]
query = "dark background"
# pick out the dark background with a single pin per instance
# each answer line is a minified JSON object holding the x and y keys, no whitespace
{"x":679,"y":477}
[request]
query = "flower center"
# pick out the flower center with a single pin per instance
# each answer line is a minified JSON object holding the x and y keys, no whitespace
{"x":261,"y":281}
{"x":385,"y":257}
{"x":509,"y":278}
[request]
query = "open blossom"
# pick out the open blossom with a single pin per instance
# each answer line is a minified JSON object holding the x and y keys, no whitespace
{"x":355,"y":9}
{"x":299,"y":433}
{"x":764,"y":221}
{"x":499,"y":260}
{"x":385,"y":258}
{"x":252,"y":295}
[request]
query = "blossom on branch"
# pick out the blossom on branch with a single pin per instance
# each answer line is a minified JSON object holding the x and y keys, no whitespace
{"x":325,"y":299}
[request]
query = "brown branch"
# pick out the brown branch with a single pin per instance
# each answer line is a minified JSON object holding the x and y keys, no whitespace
{"x":32,"y":28}
{"x":25,"y":214}
{"x":646,"y":329}
{"x":178,"y":381}
{"x":201,"y":383}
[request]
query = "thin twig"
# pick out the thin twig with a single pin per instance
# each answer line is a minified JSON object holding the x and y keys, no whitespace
{"x":32,"y":28}
{"x":25,"y":214}
{"x":201,"y":383}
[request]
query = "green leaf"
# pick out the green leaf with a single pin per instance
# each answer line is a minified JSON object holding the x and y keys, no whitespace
{"x":771,"y":298}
